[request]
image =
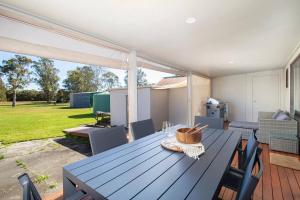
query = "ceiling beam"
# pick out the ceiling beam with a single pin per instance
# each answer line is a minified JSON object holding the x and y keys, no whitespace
{"x":17,"y":46}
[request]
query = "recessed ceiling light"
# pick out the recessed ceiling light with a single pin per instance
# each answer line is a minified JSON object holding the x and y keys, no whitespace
{"x":230,"y":61}
{"x":190,"y":20}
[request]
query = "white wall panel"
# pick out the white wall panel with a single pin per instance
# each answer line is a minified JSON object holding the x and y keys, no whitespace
{"x":201,"y":90}
{"x":232,"y":90}
{"x":178,"y":111}
{"x":159,"y":107}
{"x":118,"y":107}
{"x":238,"y":91}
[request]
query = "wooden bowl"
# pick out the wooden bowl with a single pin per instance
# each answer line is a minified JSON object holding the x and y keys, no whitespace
{"x":189,"y":138}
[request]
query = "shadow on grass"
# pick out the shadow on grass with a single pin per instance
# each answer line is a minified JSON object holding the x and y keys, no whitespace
{"x":79,"y":144}
{"x":68,"y":107}
{"x":65,"y":107}
{"x":81,"y":116}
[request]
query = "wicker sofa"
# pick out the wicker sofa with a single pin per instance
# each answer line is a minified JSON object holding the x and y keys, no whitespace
{"x":280,"y":134}
{"x":268,"y":125}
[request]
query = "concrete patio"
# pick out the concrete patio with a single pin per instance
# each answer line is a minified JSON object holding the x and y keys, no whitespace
{"x":31,"y":157}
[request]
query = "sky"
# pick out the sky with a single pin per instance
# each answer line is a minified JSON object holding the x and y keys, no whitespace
{"x":64,"y":66}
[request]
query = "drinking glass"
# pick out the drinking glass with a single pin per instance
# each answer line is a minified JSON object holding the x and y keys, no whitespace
{"x":165,"y":126}
{"x":170,"y":132}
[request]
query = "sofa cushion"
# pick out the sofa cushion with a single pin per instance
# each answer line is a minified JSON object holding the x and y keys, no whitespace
{"x":282,"y":116}
{"x":243,"y":124}
{"x":274,"y":116}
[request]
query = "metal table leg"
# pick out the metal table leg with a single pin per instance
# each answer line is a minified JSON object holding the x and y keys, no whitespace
{"x":254,"y":132}
{"x":68,"y":187}
{"x":240,"y":157}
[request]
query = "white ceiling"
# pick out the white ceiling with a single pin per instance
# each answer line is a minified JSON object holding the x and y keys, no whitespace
{"x":254,"y":34}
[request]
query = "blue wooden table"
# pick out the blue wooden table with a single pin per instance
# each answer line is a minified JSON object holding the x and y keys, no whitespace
{"x":144,"y":170}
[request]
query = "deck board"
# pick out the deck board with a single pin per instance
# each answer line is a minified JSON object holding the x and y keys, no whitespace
{"x":293,"y":183}
{"x":258,"y":193}
{"x":277,"y":182}
{"x":297,"y":175}
{"x":276,"y":187}
{"x":267,"y":179}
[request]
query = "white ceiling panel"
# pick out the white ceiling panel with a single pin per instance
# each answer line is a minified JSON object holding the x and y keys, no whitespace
{"x":231,"y":36}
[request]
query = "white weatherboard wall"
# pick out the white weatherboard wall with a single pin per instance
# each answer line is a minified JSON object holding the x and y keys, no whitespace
{"x":158,"y":104}
{"x":201,"y":90}
{"x":159,"y":107}
{"x":143,"y":100}
{"x":178,"y":105}
{"x":246,"y":94}
{"x":118,"y":105}
{"x":151,"y":104}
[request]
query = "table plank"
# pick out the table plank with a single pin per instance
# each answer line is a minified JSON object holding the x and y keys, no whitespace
{"x":181,"y":188}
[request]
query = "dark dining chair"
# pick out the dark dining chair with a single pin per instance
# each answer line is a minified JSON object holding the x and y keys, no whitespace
{"x":217,"y":123}
{"x":107,"y":138}
{"x":248,"y":151}
{"x":30,"y":192}
{"x":233,"y":176}
{"x":244,"y":182}
{"x":142,"y":128}
{"x":250,"y":181}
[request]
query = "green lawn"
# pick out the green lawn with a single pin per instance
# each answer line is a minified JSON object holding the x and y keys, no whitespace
{"x":38,"y":120}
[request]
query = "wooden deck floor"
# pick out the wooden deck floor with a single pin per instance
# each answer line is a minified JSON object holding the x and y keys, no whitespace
{"x":277,"y":182}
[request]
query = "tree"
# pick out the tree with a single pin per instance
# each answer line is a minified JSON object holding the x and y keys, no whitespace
{"x":62,"y":96}
{"x":141,"y":78}
{"x":84,"y":79}
{"x":109,"y":80}
{"x":2,"y":91}
{"x":17,"y":72}
{"x":46,"y":77}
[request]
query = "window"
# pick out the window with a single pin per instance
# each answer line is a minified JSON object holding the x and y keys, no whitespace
{"x":295,"y":86}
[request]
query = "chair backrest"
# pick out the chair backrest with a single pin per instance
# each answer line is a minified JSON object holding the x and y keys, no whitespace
{"x":29,"y":190}
{"x":250,"y":181}
{"x":142,"y":128}
{"x":107,"y":138}
{"x":217,"y":123}
{"x":249,"y":150}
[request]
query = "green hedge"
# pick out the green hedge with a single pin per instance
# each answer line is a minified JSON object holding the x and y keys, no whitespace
{"x":62,"y":96}
{"x":27,"y":95}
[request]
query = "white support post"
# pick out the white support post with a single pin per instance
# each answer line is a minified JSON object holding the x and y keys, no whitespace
{"x":132,"y":90}
{"x":189,"y":100}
